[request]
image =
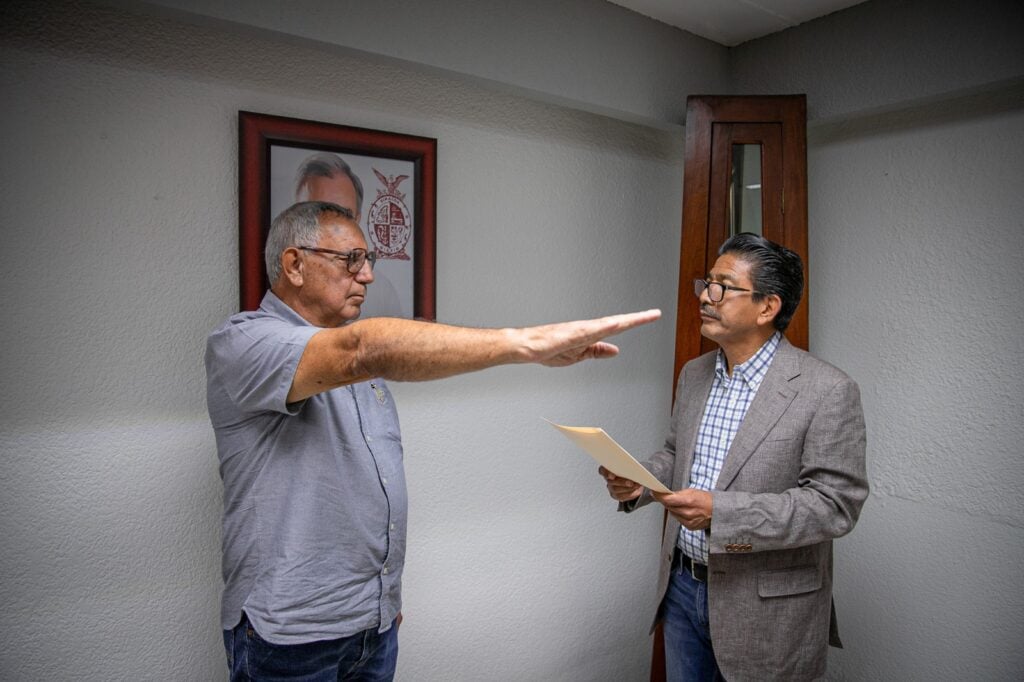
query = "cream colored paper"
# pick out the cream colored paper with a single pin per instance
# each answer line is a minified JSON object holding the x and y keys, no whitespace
{"x":609,"y":454}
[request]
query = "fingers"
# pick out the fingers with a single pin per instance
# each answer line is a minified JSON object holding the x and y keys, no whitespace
{"x":602,"y":350}
{"x":621,"y":489}
{"x":583,"y":340}
{"x":595,"y":330}
{"x":596,"y":351}
{"x":621,"y":323}
{"x":564,"y":344}
{"x":679,"y":499}
{"x":690,"y":507}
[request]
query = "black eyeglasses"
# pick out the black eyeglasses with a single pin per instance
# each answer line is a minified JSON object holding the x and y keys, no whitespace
{"x":716,"y":290}
{"x":353,"y":259}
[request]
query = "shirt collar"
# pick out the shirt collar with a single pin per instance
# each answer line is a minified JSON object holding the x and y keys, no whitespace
{"x":753,"y":370}
{"x":273,"y":305}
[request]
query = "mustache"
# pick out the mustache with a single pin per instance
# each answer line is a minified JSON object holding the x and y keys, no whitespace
{"x":707,"y":310}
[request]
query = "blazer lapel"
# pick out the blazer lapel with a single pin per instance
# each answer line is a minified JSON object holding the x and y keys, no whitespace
{"x":772,"y":400}
{"x":689,"y":418}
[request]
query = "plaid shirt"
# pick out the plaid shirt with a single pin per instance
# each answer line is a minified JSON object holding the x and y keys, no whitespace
{"x":727,"y":405}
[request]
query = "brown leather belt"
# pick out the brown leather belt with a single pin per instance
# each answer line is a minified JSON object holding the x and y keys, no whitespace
{"x":681,"y":562}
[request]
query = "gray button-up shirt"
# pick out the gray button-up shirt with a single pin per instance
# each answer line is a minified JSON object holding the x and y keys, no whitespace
{"x":314,"y":491}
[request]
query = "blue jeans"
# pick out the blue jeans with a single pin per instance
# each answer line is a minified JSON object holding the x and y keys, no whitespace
{"x":689,"y":656}
{"x":366,"y":656}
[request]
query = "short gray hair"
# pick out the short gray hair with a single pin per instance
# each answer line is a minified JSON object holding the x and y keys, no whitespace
{"x":297,"y":225}
{"x":327,"y":165}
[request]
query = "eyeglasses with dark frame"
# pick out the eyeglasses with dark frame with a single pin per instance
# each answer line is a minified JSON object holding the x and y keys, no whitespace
{"x":353,"y":259}
{"x":716,"y":290}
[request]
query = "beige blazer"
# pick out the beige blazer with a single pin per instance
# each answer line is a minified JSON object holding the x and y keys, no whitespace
{"x":793,"y":480}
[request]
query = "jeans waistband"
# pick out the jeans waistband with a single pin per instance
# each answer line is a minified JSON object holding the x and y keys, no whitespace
{"x":681,"y":563}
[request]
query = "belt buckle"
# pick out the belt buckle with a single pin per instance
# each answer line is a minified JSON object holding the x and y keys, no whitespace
{"x":693,"y":571}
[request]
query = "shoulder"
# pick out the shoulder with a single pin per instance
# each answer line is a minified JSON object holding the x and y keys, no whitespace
{"x":702,"y":366}
{"x":245,"y":330}
{"x":813,"y":370}
{"x":702,"y":362}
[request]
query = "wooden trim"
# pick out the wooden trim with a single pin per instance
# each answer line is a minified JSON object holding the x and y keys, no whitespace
{"x":256,"y":134}
{"x":703,"y":228}
{"x":713,"y":125}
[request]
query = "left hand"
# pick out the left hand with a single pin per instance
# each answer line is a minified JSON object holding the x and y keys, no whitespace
{"x":690,"y":507}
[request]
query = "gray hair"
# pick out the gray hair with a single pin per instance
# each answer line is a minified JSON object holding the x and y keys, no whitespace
{"x":297,"y":225}
{"x":327,"y":165}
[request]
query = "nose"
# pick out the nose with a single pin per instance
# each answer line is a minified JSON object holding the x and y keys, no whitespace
{"x":705,"y":297}
{"x":365,"y":274}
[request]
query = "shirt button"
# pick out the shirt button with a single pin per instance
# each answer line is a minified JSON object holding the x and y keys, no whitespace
{"x":369,"y":439}
{"x":392,"y":526}
{"x":385,"y":571}
{"x":383,"y":480}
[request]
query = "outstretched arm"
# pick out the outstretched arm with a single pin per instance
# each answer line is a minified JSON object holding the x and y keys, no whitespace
{"x":411,"y":350}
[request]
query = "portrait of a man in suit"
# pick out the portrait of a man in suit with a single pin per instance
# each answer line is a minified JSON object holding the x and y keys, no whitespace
{"x":300,"y":174}
{"x":765,"y":456}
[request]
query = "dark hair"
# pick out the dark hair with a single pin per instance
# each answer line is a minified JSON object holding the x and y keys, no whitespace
{"x":774,"y":269}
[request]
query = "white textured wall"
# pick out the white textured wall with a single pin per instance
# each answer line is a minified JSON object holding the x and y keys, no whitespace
{"x":882,"y":54}
{"x":119,"y":212}
{"x":118,"y":207}
{"x":916,"y":164}
{"x":591,"y":54}
{"x":916,"y":243}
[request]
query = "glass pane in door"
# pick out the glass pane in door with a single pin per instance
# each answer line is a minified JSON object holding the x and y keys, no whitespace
{"x":745,"y":209}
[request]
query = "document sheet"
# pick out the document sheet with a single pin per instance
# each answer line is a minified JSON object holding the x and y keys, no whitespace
{"x":609,"y":454}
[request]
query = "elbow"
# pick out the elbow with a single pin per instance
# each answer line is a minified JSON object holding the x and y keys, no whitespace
{"x":356,"y":362}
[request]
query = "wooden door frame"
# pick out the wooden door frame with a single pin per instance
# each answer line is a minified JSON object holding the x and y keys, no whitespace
{"x":697,"y":250}
{"x":702,"y":113}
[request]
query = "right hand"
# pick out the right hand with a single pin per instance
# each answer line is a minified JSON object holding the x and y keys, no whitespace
{"x":621,"y":489}
{"x":566,"y":343}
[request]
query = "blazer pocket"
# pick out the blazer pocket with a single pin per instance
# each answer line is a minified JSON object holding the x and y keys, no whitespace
{"x":789,"y":581}
{"x":781,"y":439}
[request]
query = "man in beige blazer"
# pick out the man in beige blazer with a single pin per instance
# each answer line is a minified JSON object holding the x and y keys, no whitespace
{"x":765,"y":453}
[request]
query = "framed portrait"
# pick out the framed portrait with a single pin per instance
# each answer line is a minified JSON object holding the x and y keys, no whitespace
{"x":386,"y":179}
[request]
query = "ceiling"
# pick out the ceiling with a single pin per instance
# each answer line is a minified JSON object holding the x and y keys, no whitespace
{"x":731,"y":22}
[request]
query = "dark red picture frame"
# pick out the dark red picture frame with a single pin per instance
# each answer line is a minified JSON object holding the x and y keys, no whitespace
{"x":258,"y":132}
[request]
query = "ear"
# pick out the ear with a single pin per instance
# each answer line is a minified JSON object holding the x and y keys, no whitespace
{"x":770,"y":307}
{"x":292,"y":266}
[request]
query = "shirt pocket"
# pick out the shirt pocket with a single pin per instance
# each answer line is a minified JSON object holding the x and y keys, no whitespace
{"x":790,"y":581}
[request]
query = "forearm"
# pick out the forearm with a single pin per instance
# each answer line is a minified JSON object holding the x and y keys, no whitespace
{"x":411,"y":350}
{"x":771,"y":521}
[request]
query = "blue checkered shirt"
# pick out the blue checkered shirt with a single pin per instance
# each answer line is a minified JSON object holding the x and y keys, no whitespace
{"x":727,"y":405}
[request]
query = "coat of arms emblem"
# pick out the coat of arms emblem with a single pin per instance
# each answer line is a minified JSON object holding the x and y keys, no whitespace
{"x":388,"y":220}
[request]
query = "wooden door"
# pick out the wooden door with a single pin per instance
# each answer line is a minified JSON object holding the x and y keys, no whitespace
{"x":715,"y":127}
{"x":721,"y":133}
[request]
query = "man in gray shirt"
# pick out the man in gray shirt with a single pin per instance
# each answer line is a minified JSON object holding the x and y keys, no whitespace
{"x":311,"y":454}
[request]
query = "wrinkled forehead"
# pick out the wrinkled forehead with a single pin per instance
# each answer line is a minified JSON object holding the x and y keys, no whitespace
{"x":338,"y":229}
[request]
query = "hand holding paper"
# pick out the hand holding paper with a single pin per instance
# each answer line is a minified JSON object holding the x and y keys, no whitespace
{"x":609,"y":454}
{"x":620,"y":489}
